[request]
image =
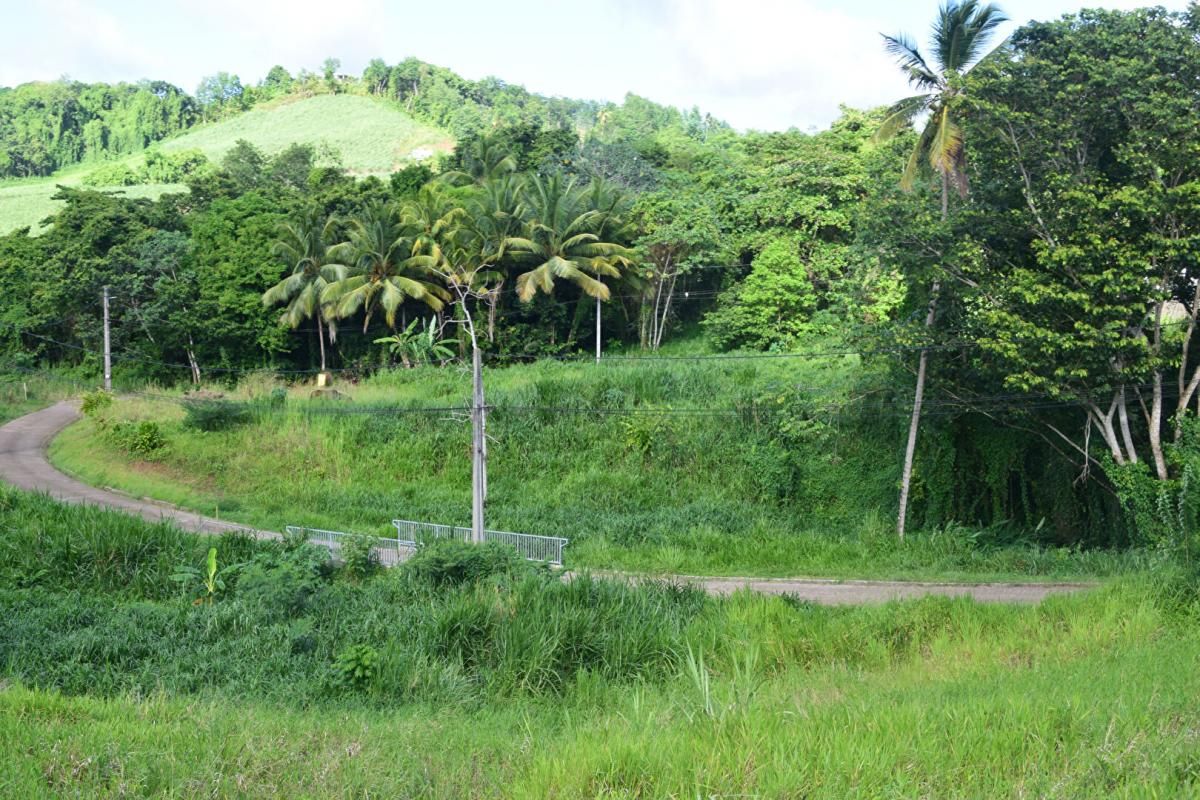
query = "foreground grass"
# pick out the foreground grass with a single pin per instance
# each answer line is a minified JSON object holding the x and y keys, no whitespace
{"x":1102,"y":724}
{"x":661,"y":493}
{"x":114,"y":684}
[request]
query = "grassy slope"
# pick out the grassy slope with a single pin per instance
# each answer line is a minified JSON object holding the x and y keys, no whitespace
{"x":372,"y":138}
{"x":28,"y":203}
{"x":1086,"y":696}
{"x":679,"y":494}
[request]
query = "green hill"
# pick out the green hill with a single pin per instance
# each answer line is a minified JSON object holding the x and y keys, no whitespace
{"x":371,"y":136}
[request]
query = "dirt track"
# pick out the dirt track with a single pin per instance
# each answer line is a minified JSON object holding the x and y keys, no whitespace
{"x":23,"y":463}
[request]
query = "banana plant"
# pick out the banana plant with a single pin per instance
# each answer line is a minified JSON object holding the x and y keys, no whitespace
{"x":211,"y":578}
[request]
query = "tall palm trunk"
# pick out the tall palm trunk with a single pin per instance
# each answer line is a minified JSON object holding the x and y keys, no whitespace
{"x":914,"y":424}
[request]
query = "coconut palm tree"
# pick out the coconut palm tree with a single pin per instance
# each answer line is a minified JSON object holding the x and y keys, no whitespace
{"x":561,"y":237}
{"x":960,"y":37}
{"x":385,"y":269}
{"x":304,"y":243}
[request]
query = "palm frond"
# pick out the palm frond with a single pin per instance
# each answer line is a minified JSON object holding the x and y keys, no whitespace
{"x":900,"y":116}
{"x":912,"y":63}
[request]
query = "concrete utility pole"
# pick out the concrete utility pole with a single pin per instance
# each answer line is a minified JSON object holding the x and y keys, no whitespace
{"x":597,"y":330}
{"x":107,"y":346}
{"x":478,"y":443}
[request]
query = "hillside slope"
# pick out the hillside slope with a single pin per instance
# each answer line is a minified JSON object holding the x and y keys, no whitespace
{"x":371,"y":137}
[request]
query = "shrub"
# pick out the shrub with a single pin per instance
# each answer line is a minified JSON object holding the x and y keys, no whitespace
{"x":214,"y":415}
{"x":95,"y":402}
{"x":359,"y":556}
{"x":115,"y":174}
{"x":356,"y":667}
{"x":449,"y":562}
{"x":137,"y":438}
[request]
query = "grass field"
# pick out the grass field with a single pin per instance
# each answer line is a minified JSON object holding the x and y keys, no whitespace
{"x":371,"y":138}
{"x":516,"y":685}
{"x":28,"y":203}
{"x":752,"y":494}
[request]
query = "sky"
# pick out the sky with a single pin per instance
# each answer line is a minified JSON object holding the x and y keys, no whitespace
{"x":758,"y":64}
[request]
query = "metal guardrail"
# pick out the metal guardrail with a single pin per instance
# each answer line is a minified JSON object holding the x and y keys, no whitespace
{"x":390,"y":551}
{"x":530,"y":546}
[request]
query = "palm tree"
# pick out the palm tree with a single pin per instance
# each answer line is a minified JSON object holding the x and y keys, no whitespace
{"x":482,"y":159}
{"x":960,"y":36}
{"x":304,"y":243}
{"x":385,"y":270}
{"x":561,"y":236}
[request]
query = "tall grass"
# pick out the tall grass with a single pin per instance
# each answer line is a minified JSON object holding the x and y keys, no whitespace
{"x":22,"y":392}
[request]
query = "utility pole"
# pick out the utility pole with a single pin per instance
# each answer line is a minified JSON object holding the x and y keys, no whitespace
{"x":478,"y":444}
{"x":107,"y":346}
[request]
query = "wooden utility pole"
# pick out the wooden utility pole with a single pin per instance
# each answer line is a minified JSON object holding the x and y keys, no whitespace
{"x":107,"y":346}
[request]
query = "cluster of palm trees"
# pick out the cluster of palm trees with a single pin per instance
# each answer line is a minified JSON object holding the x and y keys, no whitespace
{"x":455,"y":244}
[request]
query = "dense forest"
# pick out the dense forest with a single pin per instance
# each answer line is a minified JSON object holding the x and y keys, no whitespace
{"x":1025,"y":254}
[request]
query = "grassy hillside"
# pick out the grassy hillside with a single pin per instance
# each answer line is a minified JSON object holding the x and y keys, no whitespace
{"x":302,"y":681}
{"x":371,"y":136}
{"x":27,"y":203}
{"x":772,"y":483}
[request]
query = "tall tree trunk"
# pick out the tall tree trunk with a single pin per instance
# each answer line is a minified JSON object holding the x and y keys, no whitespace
{"x":192,"y":362}
{"x":1160,"y":464}
{"x":914,"y":424}
{"x":661,"y":326}
{"x":1123,"y":416}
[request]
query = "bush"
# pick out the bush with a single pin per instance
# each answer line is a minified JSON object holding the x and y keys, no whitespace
{"x":359,"y":556}
{"x":214,"y":415}
{"x":112,"y":175}
{"x":356,"y":667}
{"x":95,"y":402}
{"x":137,"y":438}
{"x":449,"y":562}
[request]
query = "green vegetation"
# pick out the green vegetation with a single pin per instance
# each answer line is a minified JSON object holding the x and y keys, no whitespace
{"x":775,"y":488}
{"x":299,"y":679}
{"x":23,"y":392}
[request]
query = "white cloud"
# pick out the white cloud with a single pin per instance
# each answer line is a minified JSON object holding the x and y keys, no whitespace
{"x":766,"y":64}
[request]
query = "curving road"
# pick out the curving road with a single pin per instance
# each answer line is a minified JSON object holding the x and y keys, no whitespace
{"x":23,"y":463}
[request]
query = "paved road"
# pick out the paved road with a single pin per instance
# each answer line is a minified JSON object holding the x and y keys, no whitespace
{"x":23,"y":463}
